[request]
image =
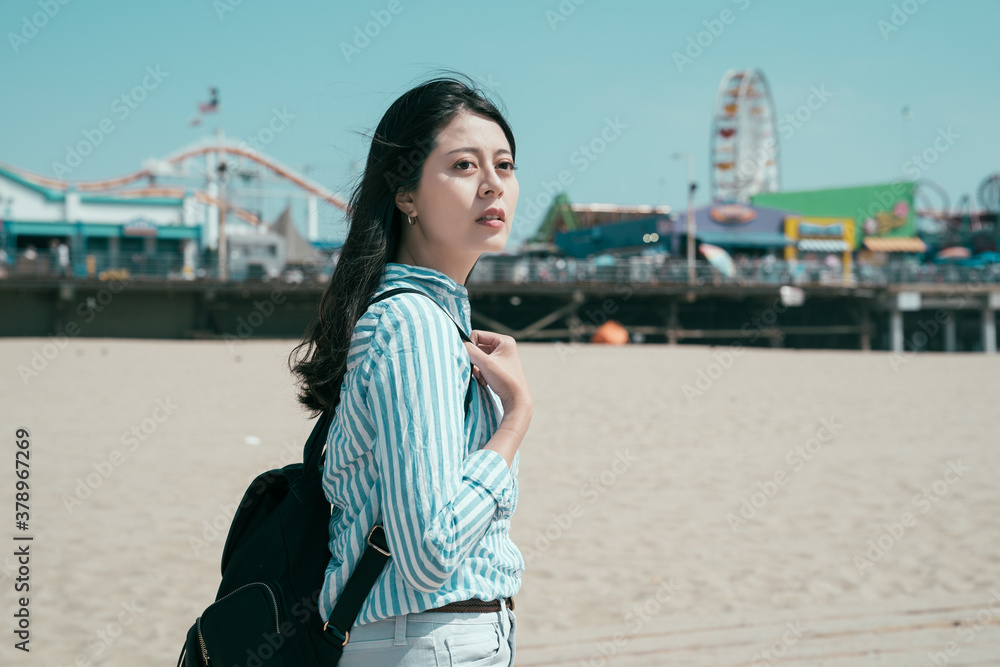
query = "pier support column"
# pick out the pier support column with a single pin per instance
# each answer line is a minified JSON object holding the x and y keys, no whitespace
{"x":949,"y":332}
{"x":989,"y":330}
{"x":866,"y":327}
{"x":575,"y":326}
{"x":896,"y":330}
{"x":672,"y":324}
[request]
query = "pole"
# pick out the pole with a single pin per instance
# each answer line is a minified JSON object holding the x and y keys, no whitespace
{"x":690,"y":222}
{"x":692,"y":186}
{"x":220,"y":171}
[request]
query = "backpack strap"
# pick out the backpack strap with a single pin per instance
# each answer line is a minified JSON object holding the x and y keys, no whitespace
{"x":398,"y":290}
{"x":314,"y":445}
{"x":461,"y":332}
{"x":337,"y":630}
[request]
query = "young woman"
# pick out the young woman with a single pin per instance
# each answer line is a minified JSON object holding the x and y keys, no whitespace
{"x":405,"y":448}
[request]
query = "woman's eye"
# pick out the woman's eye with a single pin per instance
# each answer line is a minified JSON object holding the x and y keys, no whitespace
{"x":510,"y":165}
{"x":463,"y":162}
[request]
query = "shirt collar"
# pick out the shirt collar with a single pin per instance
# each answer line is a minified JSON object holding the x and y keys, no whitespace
{"x":451,"y":295}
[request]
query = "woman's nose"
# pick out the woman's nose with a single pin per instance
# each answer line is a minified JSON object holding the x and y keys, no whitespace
{"x":491,"y":183}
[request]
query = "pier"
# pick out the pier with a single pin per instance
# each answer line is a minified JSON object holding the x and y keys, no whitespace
{"x":929,"y":308}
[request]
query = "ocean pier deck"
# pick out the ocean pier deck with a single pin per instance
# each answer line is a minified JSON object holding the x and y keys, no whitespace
{"x":947,"y":311}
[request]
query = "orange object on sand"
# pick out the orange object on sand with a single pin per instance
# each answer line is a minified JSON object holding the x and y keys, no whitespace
{"x":611,"y":333}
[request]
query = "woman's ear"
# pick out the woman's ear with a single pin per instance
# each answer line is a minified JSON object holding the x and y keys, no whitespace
{"x":404,"y":201}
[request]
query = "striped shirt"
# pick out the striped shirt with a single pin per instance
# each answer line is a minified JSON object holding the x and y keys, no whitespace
{"x":401,"y":450}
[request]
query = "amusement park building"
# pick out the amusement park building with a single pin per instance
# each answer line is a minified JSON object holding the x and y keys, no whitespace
{"x":580,"y":230}
{"x":38,"y":216}
{"x":882,"y":216}
{"x":737,"y":227}
{"x":162,"y":219}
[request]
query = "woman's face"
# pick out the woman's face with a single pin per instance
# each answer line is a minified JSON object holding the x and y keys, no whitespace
{"x":469,"y":172}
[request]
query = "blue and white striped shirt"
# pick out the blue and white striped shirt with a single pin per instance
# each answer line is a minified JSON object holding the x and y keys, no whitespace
{"x":401,"y":450}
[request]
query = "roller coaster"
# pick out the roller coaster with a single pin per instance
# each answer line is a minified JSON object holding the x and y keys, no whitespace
{"x":182,"y":166}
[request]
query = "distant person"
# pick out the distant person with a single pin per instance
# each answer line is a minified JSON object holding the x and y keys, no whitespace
{"x":62,"y":251}
{"x":30,"y":261}
{"x":438,"y":191}
{"x":4,"y":260}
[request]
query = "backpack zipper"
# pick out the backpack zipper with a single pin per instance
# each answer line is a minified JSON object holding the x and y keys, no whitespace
{"x":274,"y":603}
{"x":201,"y":640}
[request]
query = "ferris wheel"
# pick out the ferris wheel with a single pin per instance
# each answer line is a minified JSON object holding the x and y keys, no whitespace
{"x":989,"y":193}
{"x":744,"y":140}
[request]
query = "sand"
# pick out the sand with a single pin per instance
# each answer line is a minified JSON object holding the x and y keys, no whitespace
{"x":679,"y":505}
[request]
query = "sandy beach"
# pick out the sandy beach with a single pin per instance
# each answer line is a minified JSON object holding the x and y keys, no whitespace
{"x":678,"y":505}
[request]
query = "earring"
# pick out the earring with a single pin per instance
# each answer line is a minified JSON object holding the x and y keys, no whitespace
{"x":409,"y":220}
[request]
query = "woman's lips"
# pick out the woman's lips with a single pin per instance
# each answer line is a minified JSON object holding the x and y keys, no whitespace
{"x":495,"y":224}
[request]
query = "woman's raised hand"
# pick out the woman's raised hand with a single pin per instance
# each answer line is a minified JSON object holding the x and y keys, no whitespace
{"x":496,"y":363}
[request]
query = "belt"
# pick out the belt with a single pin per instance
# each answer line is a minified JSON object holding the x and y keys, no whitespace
{"x":474,"y":606}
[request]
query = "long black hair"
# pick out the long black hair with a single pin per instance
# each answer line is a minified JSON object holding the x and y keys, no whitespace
{"x":402,"y":140}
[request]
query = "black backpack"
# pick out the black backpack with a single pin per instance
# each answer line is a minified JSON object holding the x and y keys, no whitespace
{"x":266,"y":611}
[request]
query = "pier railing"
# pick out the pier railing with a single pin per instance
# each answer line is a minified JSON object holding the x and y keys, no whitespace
{"x":675,"y":271}
{"x":515,"y":269}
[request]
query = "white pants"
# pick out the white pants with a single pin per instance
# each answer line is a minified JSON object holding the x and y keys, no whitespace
{"x":434,"y":639}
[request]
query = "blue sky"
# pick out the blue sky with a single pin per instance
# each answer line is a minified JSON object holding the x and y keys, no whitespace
{"x":562,"y":70}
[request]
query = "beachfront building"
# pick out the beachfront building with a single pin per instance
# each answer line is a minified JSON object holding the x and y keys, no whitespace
{"x":42,"y":227}
{"x":584,"y":230}
{"x":883,"y":217}
{"x":167,"y":219}
{"x":826,"y":237}
{"x":742,"y":230}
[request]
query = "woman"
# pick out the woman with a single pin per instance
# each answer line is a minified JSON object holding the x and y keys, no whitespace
{"x":438,"y":190}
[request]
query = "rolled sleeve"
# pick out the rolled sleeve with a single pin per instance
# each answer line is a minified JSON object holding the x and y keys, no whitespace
{"x":488,"y":469}
{"x":437,"y":502}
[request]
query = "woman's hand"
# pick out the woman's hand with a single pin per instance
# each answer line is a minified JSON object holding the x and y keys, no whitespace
{"x":496,"y":363}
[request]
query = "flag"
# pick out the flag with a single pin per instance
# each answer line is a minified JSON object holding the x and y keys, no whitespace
{"x":212,"y":106}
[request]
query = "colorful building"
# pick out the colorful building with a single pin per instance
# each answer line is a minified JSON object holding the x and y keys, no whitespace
{"x":882,"y":215}
{"x":112,"y":227}
{"x":821,"y":235}
{"x":736,"y":228}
